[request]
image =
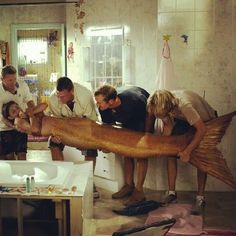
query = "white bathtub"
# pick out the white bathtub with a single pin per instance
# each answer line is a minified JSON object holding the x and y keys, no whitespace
{"x":14,"y":173}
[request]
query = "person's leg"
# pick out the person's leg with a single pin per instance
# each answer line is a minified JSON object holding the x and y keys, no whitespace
{"x":91,"y":155}
{"x":172,"y":173}
{"x":10,"y":156}
{"x":200,"y":199}
{"x":179,"y":127}
{"x":142,"y":166}
{"x":138,"y":194}
{"x":56,"y":150}
{"x":7,"y":146}
{"x":21,"y":156}
{"x":21,"y":140}
{"x":171,"y":196}
{"x":57,"y":154}
{"x":129,"y":170}
{"x":128,"y":188}
{"x":201,"y":178}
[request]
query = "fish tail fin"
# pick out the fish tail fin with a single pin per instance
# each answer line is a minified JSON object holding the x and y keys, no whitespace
{"x":207,"y":157}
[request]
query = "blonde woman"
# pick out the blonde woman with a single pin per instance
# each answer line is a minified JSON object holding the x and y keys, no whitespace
{"x":180,"y":111}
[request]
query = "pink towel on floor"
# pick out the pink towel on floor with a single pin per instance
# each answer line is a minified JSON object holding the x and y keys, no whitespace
{"x":186,"y":224}
{"x":191,"y":225}
{"x":171,"y":211}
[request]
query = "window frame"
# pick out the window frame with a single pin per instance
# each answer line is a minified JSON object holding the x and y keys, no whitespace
{"x":107,"y":78}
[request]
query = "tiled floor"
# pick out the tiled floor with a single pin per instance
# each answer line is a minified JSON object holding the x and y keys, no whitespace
{"x":219,"y":211}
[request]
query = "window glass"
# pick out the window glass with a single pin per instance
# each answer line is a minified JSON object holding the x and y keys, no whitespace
{"x":33,"y":51}
{"x":106,"y":56}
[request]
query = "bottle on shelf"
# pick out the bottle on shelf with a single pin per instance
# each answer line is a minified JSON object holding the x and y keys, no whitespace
{"x":32,"y":182}
{"x":27,"y":185}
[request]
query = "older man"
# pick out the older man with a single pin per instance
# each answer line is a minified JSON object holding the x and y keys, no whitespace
{"x":13,"y":142}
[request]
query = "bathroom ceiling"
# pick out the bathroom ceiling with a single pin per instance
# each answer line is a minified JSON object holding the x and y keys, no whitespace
{"x":32,"y":2}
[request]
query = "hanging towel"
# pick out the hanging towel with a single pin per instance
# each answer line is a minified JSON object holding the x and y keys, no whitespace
{"x":166,"y":78}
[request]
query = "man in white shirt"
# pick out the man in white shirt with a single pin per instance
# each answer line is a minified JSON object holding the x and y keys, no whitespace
{"x":12,"y":141}
{"x":71,"y":100}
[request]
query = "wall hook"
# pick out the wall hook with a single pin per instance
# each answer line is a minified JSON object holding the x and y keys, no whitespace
{"x":185,"y":37}
{"x":166,"y":37}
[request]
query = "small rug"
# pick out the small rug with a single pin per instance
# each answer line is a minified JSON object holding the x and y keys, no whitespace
{"x":186,"y":224}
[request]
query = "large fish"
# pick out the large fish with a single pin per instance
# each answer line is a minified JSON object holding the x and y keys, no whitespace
{"x":85,"y":134}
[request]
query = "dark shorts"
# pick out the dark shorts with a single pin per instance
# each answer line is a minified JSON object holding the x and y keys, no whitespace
{"x":12,"y":141}
{"x":86,"y":153}
{"x":180,"y":127}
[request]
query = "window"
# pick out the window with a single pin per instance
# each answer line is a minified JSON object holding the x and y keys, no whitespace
{"x":106,"y":56}
{"x":33,"y":51}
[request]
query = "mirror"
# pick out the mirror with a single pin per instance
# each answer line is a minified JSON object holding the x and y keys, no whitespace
{"x":38,"y":54}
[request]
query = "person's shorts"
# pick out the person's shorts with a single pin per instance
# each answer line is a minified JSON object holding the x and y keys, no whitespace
{"x":86,"y":153}
{"x":12,"y":141}
{"x":180,"y":127}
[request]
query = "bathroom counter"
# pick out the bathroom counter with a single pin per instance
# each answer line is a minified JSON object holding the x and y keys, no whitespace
{"x":77,"y":190}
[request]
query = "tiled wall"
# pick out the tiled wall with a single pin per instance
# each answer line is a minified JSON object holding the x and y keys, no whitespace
{"x":206,"y":65}
{"x":40,"y":14}
{"x":28,"y":15}
{"x":140,"y":20}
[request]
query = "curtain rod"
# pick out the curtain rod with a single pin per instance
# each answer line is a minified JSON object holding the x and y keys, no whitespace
{"x":35,"y":3}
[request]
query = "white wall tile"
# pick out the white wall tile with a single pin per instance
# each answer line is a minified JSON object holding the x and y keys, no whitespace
{"x":204,"y":21}
{"x":185,"y":5}
{"x":166,"y":5}
{"x":204,"y":5}
{"x":184,"y":21}
{"x":204,"y":39}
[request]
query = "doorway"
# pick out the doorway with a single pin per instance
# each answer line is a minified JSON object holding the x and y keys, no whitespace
{"x":38,"y":54}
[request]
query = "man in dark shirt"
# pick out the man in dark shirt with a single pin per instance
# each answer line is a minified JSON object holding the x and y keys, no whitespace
{"x":126,"y":107}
